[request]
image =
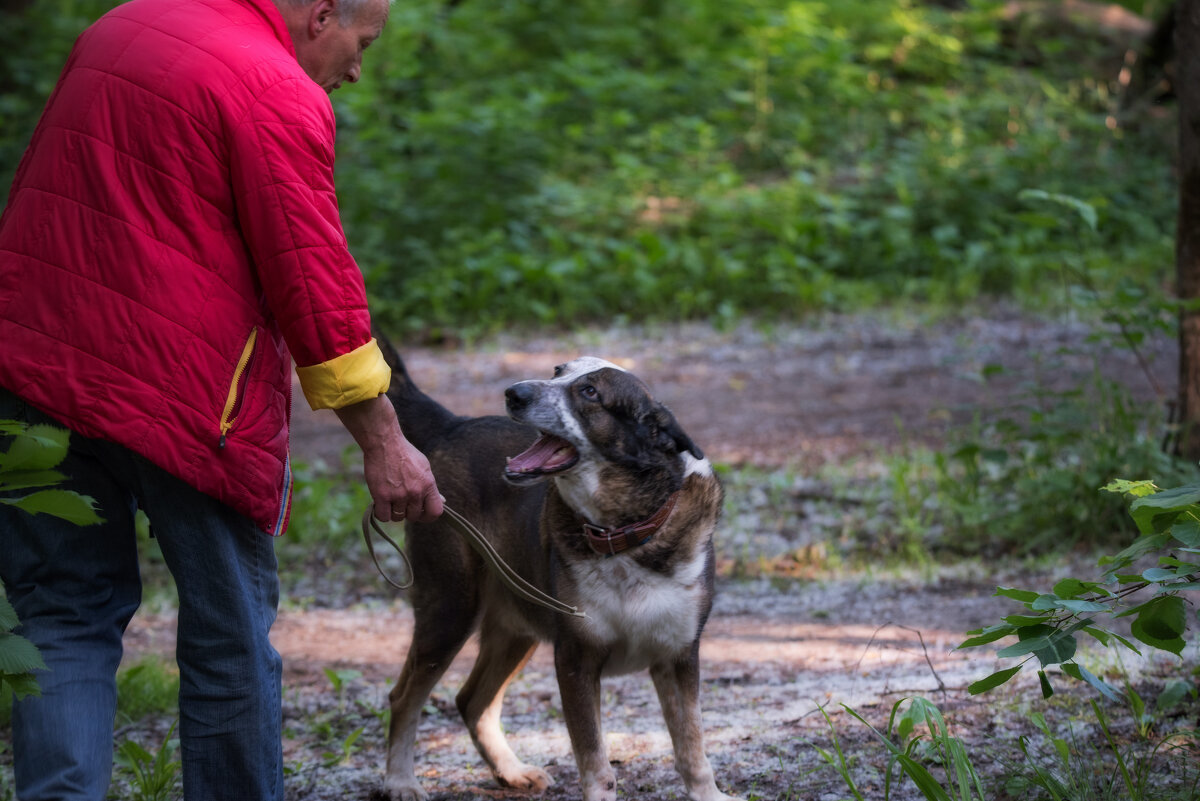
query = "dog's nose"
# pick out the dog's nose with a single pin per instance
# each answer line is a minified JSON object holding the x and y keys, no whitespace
{"x":518,"y":396}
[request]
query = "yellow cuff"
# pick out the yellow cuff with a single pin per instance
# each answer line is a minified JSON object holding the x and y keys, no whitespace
{"x":356,"y":376}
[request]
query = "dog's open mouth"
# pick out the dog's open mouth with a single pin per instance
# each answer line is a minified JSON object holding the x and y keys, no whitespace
{"x":546,"y":456}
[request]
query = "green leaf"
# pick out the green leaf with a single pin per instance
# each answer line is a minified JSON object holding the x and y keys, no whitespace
{"x":1135,"y":488}
{"x":11,"y":481}
{"x":1180,"y":586}
{"x":1157,"y":575}
{"x":1044,"y":603}
{"x":1078,"y":671}
{"x":1155,"y":513}
{"x":990,"y":634}
{"x":1047,"y":690}
{"x":70,"y":506}
{"x":18,"y":655}
{"x":1070,"y":588}
{"x":1062,"y":646}
{"x":1079,"y":607}
{"x":1175,"y":691}
{"x":1025,"y":620}
{"x":1173,"y":499}
{"x":8,"y":615}
{"x":1147,"y":543}
{"x":993,"y":681}
{"x":1164,"y":617}
{"x":1029,"y":646}
{"x":1024,"y":596}
{"x":922,"y":778}
{"x":1187,"y":532}
{"x":1100,"y":634}
{"x":23,"y":684}
{"x":40,"y":447}
{"x":1172,"y":645}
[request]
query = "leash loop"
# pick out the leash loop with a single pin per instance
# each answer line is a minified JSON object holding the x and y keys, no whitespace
{"x":370,"y":521}
{"x":511,"y":578}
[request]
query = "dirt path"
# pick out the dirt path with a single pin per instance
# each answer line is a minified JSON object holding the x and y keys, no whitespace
{"x":796,"y":396}
{"x":789,"y":395}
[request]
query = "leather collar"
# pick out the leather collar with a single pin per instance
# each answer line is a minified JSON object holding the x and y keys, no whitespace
{"x":611,"y":541}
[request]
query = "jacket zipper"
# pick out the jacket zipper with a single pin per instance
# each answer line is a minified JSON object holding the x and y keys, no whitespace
{"x":237,"y":388}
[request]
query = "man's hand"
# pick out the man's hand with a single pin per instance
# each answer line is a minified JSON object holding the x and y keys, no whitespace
{"x":398,"y":475}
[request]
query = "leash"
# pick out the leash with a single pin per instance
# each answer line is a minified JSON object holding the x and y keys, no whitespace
{"x":513,"y":580}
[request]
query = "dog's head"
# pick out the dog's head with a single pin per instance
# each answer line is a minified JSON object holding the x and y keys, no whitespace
{"x":593,"y":411}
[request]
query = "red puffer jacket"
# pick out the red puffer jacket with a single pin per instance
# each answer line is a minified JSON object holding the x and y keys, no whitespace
{"x":171,"y":234}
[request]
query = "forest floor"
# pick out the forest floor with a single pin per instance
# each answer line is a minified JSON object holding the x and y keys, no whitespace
{"x":782,"y":645}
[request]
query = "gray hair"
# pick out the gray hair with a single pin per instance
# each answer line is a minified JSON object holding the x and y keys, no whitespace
{"x":348,"y":10}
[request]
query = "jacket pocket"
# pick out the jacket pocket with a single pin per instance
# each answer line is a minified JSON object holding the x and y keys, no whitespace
{"x":237,"y":387}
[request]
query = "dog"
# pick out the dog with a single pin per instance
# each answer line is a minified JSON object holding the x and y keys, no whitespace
{"x":592,"y":491}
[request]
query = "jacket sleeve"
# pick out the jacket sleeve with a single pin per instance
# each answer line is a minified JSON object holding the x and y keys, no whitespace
{"x":282,"y":173}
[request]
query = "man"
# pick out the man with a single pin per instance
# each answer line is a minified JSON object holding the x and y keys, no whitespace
{"x":170,"y":244}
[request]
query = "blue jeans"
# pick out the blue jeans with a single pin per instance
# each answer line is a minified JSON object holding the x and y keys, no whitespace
{"x":75,"y":590}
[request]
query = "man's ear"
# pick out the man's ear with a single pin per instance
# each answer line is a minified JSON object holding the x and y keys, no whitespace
{"x":322,"y":14}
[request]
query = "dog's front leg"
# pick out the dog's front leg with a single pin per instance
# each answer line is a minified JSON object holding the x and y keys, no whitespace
{"x":578,"y":672}
{"x":678,"y":687}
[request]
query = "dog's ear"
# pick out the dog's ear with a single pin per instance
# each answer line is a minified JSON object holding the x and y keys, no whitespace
{"x":666,"y":432}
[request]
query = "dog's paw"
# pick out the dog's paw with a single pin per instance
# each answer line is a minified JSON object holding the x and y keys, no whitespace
{"x":600,"y":788}
{"x":714,"y":795}
{"x":397,"y":790}
{"x":524,"y":777}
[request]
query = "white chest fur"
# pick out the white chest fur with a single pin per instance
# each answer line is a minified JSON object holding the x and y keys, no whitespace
{"x":640,"y":616}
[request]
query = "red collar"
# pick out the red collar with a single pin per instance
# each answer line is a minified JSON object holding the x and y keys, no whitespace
{"x":611,"y":541}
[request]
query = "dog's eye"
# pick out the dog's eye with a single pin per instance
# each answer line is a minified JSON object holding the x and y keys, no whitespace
{"x":589,"y":392}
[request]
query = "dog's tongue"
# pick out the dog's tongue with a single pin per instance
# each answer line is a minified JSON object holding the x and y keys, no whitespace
{"x":547,"y":454}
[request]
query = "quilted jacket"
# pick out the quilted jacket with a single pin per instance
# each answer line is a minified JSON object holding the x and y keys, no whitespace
{"x":172,"y":241}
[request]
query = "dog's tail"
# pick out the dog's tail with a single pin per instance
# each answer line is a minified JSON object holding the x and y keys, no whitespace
{"x":422,"y":419}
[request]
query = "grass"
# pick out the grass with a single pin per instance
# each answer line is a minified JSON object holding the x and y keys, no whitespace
{"x":148,"y":687}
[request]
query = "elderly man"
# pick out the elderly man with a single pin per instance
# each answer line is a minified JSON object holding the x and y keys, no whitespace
{"x":171,"y":243}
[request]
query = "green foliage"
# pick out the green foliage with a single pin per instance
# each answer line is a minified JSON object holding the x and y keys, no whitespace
{"x":549,"y":162}
{"x":34,"y":43}
{"x":28,"y":463}
{"x":324,"y":539}
{"x":327,"y":507}
{"x":147,"y":688}
{"x":18,"y":656}
{"x":1074,"y":768}
{"x":1025,"y":480}
{"x":1168,"y":523}
{"x":339,"y":680}
{"x":154,"y":777}
{"x":915,"y":739}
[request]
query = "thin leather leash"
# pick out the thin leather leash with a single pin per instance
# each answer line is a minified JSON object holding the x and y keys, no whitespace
{"x":513,"y":580}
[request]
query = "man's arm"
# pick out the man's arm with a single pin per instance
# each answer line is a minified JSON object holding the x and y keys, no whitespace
{"x":398,"y":475}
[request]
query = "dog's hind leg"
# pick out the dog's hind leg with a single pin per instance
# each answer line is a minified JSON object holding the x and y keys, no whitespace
{"x":438,"y":636}
{"x":678,"y":687}
{"x":501,"y":657}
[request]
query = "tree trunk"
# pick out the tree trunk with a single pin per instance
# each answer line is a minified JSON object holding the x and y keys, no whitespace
{"x":1187,"y":237}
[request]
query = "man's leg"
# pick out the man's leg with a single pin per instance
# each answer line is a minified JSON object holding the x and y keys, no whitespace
{"x":230,"y":724}
{"x":74,"y":589}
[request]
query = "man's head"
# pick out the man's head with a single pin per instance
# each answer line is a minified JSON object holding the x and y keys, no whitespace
{"x":330,"y":35}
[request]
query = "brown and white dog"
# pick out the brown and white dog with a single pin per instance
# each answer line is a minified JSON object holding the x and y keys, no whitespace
{"x":611,"y":509}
